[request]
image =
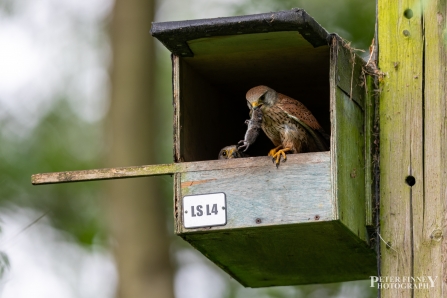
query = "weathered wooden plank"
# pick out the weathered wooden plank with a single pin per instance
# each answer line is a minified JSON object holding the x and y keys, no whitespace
{"x":430,"y":217}
{"x":104,"y":174}
{"x":176,"y":89}
{"x":178,"y":224}
{"x":317,"y":252}
{"x":176,"y":105}
{"x":298,"y":191}
{"x":350,"y":171}
{"x":400,"y":40}
{"x":332,"y":100}
{"x":163,"y":169}
{"x":348,"y":140}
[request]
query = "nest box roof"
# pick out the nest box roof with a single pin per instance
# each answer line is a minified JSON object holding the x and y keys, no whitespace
{"x":175,"y":35}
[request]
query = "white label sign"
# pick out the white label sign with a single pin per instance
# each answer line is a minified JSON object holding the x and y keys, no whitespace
{"x":204,"y":210}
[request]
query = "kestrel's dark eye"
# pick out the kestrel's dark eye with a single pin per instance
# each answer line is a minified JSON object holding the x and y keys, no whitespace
{"x":262,"y":97}
{"x":224,"y":153}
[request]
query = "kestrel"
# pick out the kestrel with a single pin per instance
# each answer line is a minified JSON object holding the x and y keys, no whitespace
{"x":230,"y":152}
{"x":287,"y":123}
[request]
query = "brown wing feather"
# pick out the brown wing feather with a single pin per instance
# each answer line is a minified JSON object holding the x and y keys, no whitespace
{"x":296,"y":109}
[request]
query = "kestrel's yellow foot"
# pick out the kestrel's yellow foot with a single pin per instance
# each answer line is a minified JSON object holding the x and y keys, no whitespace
{"x":281,"y":153}
{"x":273,"y":152}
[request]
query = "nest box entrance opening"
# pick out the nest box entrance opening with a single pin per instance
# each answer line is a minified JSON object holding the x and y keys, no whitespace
{"x":213,"y":84}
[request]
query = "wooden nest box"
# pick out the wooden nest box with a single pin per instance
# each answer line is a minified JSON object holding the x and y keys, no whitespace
{"x":305,"y":222}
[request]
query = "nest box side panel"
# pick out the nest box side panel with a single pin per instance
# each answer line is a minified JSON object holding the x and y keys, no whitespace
{"x":176,"y":104}
{"x":284,"y":255}
{"x":348,"y":137}
{"x":178,"y":222}
{"x":262,"y":195}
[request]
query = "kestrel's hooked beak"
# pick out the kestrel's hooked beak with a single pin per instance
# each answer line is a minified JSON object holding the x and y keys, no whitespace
{"x":259,"y":102}
{"x":256,"y":104}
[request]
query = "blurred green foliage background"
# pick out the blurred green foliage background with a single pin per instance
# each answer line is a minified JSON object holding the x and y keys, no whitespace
{"x":56,"y":137}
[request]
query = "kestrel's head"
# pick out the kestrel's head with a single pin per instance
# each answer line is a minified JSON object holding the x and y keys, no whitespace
{"x":229,"y":152}
{"x":261,"y":95}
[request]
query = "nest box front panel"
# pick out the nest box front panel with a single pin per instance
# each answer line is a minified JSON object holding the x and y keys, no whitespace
{"x":260,"y":195}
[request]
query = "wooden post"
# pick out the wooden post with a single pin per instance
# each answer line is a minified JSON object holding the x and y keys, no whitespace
{"x":412,"y":38}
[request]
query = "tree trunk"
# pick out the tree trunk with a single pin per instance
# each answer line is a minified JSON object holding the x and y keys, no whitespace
{"x":135,"y":206}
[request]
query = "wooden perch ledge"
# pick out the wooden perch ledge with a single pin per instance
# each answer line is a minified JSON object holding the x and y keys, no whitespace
{"x":168,"y":169}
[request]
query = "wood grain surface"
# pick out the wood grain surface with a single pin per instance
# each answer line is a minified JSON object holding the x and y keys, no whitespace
{"x":298,"y":191}
{"x":401,"y":139}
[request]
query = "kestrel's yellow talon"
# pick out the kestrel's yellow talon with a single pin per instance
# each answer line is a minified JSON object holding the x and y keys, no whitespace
{"x":281,"y":153}
{"x":273,"y":151}
{"x":284,"y":157}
